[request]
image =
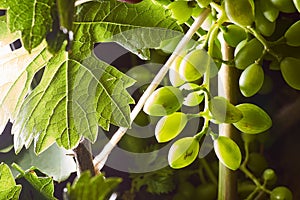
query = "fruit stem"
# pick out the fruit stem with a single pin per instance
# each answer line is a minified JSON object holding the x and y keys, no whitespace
{"x":264,"y":42}
{"x":244,"y":169}
{"x":99,"y":160}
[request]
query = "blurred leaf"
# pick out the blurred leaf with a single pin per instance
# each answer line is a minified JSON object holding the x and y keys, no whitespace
{"x":92,"y":188}
{"x":8,"y":188}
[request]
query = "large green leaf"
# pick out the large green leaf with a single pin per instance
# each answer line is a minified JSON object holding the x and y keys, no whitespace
{"x":92,"y":188}
{"x":70,"y":101}
{"x":17,"y":71}
{"x":31,"y":17}
{"x":6,"y":37}
{"x":137,"y":27}
{"x":8,"y":188}
{"x":77,"y":91}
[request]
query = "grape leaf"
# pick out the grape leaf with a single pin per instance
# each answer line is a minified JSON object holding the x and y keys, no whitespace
{"x":32,"y":18}
{"x":17,"y":71}
{"x":137,"y":27}
{"x":77,"y":91}
{"x":8,"y":188}
{"x":44,"y":185}
{"x":70,"y":101}
{"x":92,"y":188}
{"x":6,"y":37}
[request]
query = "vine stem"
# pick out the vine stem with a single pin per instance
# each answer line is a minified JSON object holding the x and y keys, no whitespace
{"x":99,"y":160}
{"x":228,"y":87}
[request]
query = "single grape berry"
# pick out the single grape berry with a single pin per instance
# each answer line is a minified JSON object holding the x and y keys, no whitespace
{"x":170,"y":126}
{"x":251,"y":80}
{"x":183,"y":152}
{"x":240,"y":12}
{"x":164,"y":101}
{"x":281,"y":193}
{"x":194,"y":64}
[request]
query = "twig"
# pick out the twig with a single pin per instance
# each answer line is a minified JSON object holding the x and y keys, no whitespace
{"x":98,"y":160}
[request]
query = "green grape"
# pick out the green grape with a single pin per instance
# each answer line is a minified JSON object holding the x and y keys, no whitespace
{"x":292,"y":34}
{"x":286,"y":6}
{"x":174,"y":75}
{"x":269,"y":10}
{"x":193,"y":98}
{"x":281,"y":193}
{"x":234,"y":34}
{"x":257,"y":163}
{"x":170,"y":126}
{"x":177,"y":8}
{"x":223,"y":111}
{"x":291,"y":71}
{"x":270,"y":176}
{"x":262,"y":24}
{"x":240,"y":46}
{"x":194,"y":64}
{"x":240,"y":12}
{"x":255,"y":120}
{"x":207,"y":191}
{"x":183,"y":152}
{"x":164,"y":101}
{"x":228,"y":152}
{"x":297,"y":4}
{"x":251,"y":80}
{"x":248,"y":54}
{"x":142,"y":119}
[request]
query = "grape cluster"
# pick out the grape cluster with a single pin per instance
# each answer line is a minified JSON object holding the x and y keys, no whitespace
{"x":265,"y":36}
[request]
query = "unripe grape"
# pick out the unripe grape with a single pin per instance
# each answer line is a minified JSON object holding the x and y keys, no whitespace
{"x":290,"y":69}
{"x":255,"y":120}
{"x":248,"y":54}
{"x":223,"y":111}
{"x":240,"y":12}
{"x":228,"y":152}
{"x":262,"y":24}
{"x":193,"y":98}
{"x":251,"y":80}
{"x":181,"y":11}
{"x":281,"y":193}
{"x":174,"y":75}
{"x":164,"y":101}
{"x":292,"y":34}
{"x":286,"y":6}
{"x":234,"y":34}
{"x":170,"y":126}
{"x":183,"y":152}
{"x":194,"y":64}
